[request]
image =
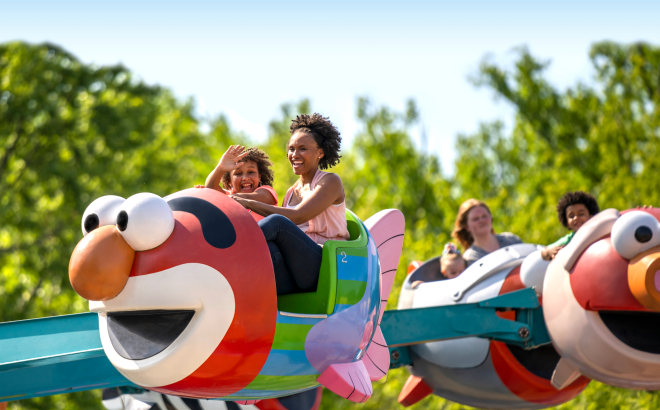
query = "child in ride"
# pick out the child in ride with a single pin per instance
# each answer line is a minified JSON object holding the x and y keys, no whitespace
{"x":244,"y":173}
{"x":573,"y":210}
{"x":452,"y":264}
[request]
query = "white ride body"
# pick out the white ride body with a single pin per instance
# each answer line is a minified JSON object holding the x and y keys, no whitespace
{"x":581,"y":336}
{"x":460,"y":369}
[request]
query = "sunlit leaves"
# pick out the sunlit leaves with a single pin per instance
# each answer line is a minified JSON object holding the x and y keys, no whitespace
{"x":70,"y":133}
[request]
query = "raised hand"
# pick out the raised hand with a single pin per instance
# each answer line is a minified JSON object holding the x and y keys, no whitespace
{"x":231,"y":159}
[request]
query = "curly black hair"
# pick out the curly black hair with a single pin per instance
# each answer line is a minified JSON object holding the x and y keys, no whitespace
{"x":574,"y":198}
{"x":263,"y":166}
{"x":325,"y":134}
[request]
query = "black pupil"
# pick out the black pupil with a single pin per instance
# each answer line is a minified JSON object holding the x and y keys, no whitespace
{"x":91,"y":222}
{"x":643,"y":234}
{"x":122,"y":221}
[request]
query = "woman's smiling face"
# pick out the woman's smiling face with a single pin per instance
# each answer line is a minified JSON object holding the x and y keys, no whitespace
{"x":245,"y":179}
{"x":303,"y":153}
{"x":479,"y":221}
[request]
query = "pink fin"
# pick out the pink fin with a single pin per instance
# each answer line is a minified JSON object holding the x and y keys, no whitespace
{"x":349,"y":380}
{"x":387,"y":228}
{"x":377,"y":356}
{"x":246,"y":402}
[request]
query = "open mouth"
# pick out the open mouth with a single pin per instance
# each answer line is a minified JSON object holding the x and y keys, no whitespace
{"x":639,"y":330}
{"x":138,"y":335}
{"x":540,"y":361}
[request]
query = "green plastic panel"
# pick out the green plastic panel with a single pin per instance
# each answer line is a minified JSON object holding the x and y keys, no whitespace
{"x":350,"y":291}
{"x":262,"y":382}
{"x":323,"y":300}
{"x":289,"y":336}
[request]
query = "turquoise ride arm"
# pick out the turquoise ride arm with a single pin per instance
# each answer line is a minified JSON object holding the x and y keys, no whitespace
{"x":54,"y":355}
{"x":63,"y":354}
{"x":406,"y":327}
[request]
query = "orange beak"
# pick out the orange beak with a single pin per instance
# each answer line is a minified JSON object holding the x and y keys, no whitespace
{"x":644,"y":278}
{"x":100,"y":264}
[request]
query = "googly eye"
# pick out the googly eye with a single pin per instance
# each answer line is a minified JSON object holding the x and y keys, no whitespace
{"x":145,"y":221}
{"x":103,"y":211}
{"x":634,"y":233}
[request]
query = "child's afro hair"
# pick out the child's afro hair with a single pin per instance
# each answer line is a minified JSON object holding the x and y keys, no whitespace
{"x":574,"y":198}
{"x":263,"y":166}
{"x":325,"y":134}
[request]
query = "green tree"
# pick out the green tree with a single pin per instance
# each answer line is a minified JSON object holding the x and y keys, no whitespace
{"x":276,"y":144}
{"x":70,"y":133}
{"x":601,"y":136}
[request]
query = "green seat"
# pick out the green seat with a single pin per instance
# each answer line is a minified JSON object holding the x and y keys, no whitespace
{"x":322,"y":301}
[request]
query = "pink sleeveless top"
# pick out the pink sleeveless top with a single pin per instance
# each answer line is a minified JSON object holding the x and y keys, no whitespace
{"x":329,"y":225}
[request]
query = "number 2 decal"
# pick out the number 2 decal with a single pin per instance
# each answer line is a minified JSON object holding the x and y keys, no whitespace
{"x":344,"y":259}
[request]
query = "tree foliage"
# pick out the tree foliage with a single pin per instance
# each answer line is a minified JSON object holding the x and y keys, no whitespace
{"x":71,"y":132}
{"x":601,"y":137}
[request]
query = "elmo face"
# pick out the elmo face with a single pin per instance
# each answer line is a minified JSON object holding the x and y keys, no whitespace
{"x":602,"y":300}
{"x":184,"y":287}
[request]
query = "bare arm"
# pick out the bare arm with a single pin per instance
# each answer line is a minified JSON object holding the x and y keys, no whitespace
{"x":230,"y":160}
{"x":260,"y":195}
{"x":550,"y":252}
{"x":328,"y":191}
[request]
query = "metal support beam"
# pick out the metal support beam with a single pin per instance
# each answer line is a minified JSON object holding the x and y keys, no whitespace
{"x":62,"y":354}
{"x":413,"y":326}
{"x":53,"y":355}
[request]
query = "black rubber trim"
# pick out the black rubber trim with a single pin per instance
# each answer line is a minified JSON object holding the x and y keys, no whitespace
{"x":300,"y":401}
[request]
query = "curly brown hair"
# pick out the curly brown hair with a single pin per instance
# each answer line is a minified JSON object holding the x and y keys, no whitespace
{"x":460,"y":232}
{"x":574,"y":198}
{"x":263,"y":166}
{"x":324,"y":133}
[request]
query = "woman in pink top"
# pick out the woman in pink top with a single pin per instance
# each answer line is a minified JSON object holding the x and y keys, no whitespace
{"x":313,"y":210}
{"x":244,"y":173}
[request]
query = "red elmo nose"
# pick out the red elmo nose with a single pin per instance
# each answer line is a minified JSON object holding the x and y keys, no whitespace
{"x":100,"y":264}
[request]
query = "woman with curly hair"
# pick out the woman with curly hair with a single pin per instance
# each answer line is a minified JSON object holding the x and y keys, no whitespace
{"x":573,"y":210}
{"x":313,"y":210}
{"x":474,"y":231}
{"x":245,"y":174}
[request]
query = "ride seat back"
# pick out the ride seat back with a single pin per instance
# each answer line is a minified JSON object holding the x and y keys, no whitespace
{"x":429,"y":271}
{"x":323,"y":300}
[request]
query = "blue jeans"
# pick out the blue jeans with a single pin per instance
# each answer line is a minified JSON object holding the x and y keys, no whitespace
{"x":296,"y":257}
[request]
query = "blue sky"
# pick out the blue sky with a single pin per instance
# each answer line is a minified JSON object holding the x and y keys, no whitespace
{"x":244,"y":59}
